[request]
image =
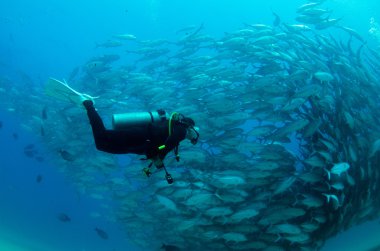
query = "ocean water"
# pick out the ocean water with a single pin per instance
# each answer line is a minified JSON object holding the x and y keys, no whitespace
{"x":39,"y":39}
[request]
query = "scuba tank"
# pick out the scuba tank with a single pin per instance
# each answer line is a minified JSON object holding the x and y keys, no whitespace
{"x":124,"y":121}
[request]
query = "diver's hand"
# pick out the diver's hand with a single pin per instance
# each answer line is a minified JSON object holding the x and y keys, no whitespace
{"x":157,"y":161}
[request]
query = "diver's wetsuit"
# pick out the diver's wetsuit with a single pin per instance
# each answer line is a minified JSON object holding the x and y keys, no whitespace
{"x":138,"y":140}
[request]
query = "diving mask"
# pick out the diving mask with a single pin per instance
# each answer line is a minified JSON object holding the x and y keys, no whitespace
{"x":192,"y":134}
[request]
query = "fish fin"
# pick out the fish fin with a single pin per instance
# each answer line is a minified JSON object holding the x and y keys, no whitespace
{"x":336,"y":199}
{"x":218,"y":196}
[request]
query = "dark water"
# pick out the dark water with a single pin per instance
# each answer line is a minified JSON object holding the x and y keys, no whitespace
{"x":39,"y":39}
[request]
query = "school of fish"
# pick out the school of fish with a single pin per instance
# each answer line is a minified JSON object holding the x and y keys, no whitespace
{"x":289,"y":120}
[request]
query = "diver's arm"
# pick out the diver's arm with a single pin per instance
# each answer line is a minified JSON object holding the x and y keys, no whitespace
{"x":157,"y":155}
{"x":157,"y":161}
{"x":169,"y":146}
{"x":178,"y":135}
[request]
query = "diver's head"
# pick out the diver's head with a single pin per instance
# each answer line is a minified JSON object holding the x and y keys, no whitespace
{"x":192,"y":132}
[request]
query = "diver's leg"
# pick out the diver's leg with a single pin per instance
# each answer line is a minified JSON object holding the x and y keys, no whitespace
{"x":110,"y":141}
{"x":98,"y":128}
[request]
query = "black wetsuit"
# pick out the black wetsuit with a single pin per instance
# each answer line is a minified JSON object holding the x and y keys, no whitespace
{"x":138,"y":140}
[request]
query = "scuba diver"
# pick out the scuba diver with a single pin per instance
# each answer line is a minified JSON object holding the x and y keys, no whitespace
{"x":153,"y":134}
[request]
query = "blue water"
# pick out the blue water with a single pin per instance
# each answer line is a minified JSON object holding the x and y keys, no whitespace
{"x":39,"y":39}
{"x":29,"y":209}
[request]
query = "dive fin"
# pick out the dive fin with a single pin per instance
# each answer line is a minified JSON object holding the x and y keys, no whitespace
{"x":62,"y":91}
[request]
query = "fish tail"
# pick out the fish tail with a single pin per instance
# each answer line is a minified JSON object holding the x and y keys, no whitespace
{"x":327,"y":197}
{"x":328,"y":184}
{"x":278,"y":238}
{"x":328,"y":173}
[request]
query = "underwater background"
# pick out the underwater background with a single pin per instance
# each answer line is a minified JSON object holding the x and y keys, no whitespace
{"x":43,"y":207}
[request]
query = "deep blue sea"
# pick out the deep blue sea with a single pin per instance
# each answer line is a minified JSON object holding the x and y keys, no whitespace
{"x":39,"y":39}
